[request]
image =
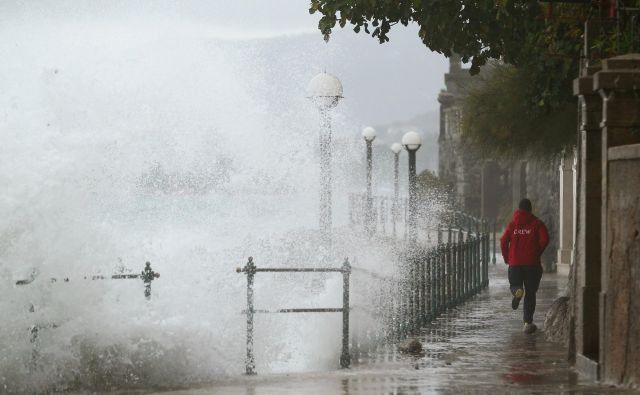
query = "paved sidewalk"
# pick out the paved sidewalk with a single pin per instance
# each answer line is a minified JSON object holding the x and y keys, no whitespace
{"x":476,"y":348}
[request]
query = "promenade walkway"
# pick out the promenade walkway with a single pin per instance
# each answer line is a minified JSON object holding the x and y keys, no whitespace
{"x":477,"y":348}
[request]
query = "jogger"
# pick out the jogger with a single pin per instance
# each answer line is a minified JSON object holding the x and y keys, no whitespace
{"x":522,"y":243}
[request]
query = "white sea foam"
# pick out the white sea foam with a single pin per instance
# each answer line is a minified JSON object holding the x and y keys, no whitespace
{"x":177,"y":150}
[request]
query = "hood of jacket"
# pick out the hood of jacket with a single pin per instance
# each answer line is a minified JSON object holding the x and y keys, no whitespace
{"x":522,"y":217}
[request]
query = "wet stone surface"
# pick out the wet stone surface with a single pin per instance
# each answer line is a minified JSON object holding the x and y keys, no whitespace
{"x":478,"y":347}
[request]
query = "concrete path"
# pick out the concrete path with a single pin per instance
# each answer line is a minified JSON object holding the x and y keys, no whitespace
{"x":476,"y":348}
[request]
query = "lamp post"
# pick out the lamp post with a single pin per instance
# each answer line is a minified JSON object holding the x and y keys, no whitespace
{"x":396,"y":148}
{"x":412,"y":142}
{"x":325,"y":90}
{"x":369,"y":135}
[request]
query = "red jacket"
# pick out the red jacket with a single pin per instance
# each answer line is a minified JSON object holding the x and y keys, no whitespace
{"x":524,"y":240}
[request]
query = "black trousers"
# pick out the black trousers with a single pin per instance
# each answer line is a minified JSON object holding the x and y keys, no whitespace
{"x":527,"y":277}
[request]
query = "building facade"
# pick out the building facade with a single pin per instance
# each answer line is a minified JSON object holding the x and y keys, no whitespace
{"x":492,"y":187}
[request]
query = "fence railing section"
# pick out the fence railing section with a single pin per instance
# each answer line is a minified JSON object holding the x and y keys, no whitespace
{"x":147,"y":275}
{"x":388,"y":214}
{"x":250,"y":269}
{"x":390,"y":217}
{"x":432,"y":279}
{"x":439,"y":278}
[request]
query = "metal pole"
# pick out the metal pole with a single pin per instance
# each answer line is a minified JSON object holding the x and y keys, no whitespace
{"x":443,"y":278}
{"x":396,"y":189}
{"x":325,"y":177}
{"x":476,"y":252}
{"x":147,"y":276}
{"x":383,"y":216}
{"x":454,"y":274}
{"x":369,"y":213}
{"x":412,"y":197}
{"x":250,"y":363}
{"x":423,"y":289}
{"x":418,"y":296}
{"x":406,"y":208}
{"x":449,"y":276}
{"x":493,"y":258}
{"x":461,"y":272}
{"x":438,"y":278}
{"x":432,"y":283}
{"x":345,"y":357}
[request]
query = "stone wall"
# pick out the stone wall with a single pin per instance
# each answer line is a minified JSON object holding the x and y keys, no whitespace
{"x":622,"y":311}
{"x":606,"y":293}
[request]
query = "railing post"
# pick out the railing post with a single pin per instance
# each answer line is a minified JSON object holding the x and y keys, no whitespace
{"x":485,"y":252}
{"x":472,"y":251}
{"x":487,"y":257}
{"x":447,"y":277}
{"x":433,"y":282}
{"x":450,"y":277}
{"x":438,"y":279}
{"x":417,"y":295}
{"x":467,"y":267}
{"x":476,"y":252}
{"x":250,"y":363}
{"x":423,"y":279}
{"x":405,"y":219}
{"x":474,"y":265}
{"x":493,"y":258}
{"x":412,"y":292}
{"x":482,"y":254}
{"x":383,"y":216}
{"x":345,"y":357}
{"x":147,"y":276}
{"x":460,"y":267}
{"x":443,"y":278}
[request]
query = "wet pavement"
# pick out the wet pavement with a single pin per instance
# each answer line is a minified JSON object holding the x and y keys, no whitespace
{"x":478,"y":347}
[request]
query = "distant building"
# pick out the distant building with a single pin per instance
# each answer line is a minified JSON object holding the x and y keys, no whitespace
{"x":492,"y":187}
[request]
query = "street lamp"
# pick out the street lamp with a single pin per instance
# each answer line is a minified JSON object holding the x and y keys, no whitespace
{"x":396,"y":148}
{"x":369,"y":135}
{"x":412,"y":142}
{"x":325,"y":90}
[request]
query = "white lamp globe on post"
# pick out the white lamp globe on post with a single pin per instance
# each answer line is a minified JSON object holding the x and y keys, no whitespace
{"x":369,"y":135}
{"x":396,"y":148}
{"x":325,"y":91}
{"x":412,"y":142}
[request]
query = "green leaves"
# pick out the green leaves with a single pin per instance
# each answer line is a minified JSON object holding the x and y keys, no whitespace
{"x":501,"y":118}
{"x":543,"y":50}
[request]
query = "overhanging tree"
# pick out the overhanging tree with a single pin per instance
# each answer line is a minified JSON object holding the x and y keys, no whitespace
{"x":543,"y":41}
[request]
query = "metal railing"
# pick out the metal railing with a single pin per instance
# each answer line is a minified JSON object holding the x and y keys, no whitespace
{"x":251,"y":269}
{"x":431,"y":280}
{"x":439,"y":278}
{"x":147,"y":275}
{"x":390,"y":215}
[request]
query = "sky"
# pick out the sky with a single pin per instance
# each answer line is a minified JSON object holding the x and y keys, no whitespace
{"x":385,"y":83}
{"x":228,"y":19}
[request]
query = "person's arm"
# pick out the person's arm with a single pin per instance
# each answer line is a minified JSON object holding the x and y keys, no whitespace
{"x":543,"y":237}
{"x":504,"y":244}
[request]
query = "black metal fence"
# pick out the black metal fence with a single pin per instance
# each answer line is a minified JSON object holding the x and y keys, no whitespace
{"x":250,"y":269}
{"x":147,"y":275}
{"x":438,"y":278}
{"x":431,"y":280}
